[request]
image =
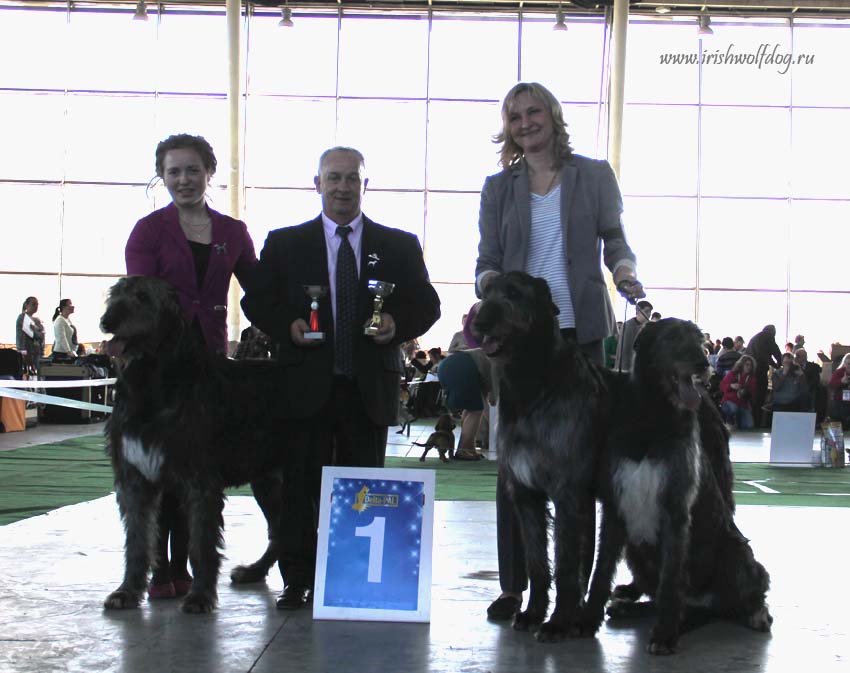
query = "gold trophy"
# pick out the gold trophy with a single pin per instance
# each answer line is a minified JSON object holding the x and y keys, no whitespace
{"x":380,"y":290}
{"x":315,"y":292}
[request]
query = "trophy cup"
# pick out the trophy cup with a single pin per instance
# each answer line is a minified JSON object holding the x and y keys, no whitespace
{"x":315,"y":292}
{"x":380,"y":290}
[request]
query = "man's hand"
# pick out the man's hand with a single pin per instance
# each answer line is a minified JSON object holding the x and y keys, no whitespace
{"x":296,"y":333}
{"x":387,"y":330}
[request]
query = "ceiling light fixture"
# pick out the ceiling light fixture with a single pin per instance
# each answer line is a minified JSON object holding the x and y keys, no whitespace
{"x":141,"y":12}
{"x":559,"y":23}
{"x":285,"y":17}
{"x":704,"y":25}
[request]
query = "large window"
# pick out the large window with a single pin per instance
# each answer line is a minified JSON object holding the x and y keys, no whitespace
{"x":732,"y":185}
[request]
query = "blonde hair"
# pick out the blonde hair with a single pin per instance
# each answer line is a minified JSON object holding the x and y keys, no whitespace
{"x":511,"y":153}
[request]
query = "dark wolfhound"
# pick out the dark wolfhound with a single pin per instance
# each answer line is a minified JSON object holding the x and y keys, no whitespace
{"x":665,"y":486}
{"x":551,"y":416}
{"x":185,"y":420}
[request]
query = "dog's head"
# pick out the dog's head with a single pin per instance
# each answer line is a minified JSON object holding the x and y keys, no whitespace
{"x":143,"y":314}
{"x":516,"y":309}
{"x":445,"y":423}
{"x":670,"y":362}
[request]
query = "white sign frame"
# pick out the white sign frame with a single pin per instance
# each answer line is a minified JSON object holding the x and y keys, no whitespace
{"x":386,"y":481}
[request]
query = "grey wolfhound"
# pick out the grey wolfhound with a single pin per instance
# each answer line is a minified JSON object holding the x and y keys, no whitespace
{"x":552,"y":404}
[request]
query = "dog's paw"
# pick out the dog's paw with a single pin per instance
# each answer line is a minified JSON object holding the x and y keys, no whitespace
{"x":122,"y":600}
{"x":248,"y":574}
{"x":760,"y":620}
{"x":422,"y":459}
{"x":526,"y":620}
{"x":199,"y":603}
{"x":626,"y":593}
{"x":552,"y":632}
{"x":586,"y":626}
{"x":662,"y":642}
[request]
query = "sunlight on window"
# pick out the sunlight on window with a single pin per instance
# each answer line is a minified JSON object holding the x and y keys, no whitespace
{"x":28,"y":62}
{"x":451,"y":237}
{"x":97,"y":221}
{"x":552,"y":58}
{"x":473,"y":59}
{"x":270,"y":209}
{"x":187,"y":61}
{"x":299,"y":62}
{"x":746,"y":65}
{"x":460,"y":148}
{"x":743,"y":193}
{"x":284,"y":139}
{"x":110,"y":51}
{"x":824,"y":52}
{"x":746,"y":151}
{"x":744,"y":243}
{"x":383,"y":57}
{"x":93,"y":153}
{"x":660,"y":150}
{"x":819,"y":165}
{"x":401,"y":210}
{"x":32,"y":156}
{"x":648,"y":80}
{"x":743,"y":314}
{"x":818,"y":238}
{"x":32,"y":212}
{"x":662,"y":232}
{"x":389,"y":134}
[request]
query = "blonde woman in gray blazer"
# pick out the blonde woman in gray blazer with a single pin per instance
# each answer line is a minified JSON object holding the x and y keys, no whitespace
{"x":555,"y":215}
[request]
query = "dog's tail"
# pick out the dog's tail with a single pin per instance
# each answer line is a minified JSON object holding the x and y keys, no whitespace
{"x":419,"y":444}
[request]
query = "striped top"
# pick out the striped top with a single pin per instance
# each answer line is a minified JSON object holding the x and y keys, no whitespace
{"x":546,"y":252}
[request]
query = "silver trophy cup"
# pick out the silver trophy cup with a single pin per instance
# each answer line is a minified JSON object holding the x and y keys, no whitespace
{"x":380,"y":290}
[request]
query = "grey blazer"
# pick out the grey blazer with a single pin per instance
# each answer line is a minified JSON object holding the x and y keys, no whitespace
{"x":591,"y":206}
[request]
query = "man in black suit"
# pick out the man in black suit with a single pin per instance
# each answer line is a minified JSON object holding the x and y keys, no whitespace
{"x":350,"y":396}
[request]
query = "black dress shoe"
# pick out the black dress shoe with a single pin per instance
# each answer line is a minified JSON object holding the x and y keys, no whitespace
{"x":294,"y":597}
{"x":503,"y":608}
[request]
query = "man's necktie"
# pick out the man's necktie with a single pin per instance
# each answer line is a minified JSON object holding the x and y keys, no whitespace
{"x":346,"y":304}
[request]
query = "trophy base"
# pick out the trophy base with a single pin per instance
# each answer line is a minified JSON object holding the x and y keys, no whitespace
{"x":314,"y":336}
{"x":371,"y":331}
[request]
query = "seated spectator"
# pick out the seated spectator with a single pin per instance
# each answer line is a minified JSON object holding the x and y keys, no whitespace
{"x":739,"y":344}
{"x":739,"y":389}
{"x":789,"y":390}
{"x":458,"y":342}
{"x":839,"y":393}
{"x":467,"y":383}
{"x":64,"y":333}
{"x":812,"y":372}
{"x":727,"y":356}
{"x":799,"y":342}
{"x":789,"y":348}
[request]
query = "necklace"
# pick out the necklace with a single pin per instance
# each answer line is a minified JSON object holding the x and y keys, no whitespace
{"x":197,"y":230}
{"x":551,"y":182}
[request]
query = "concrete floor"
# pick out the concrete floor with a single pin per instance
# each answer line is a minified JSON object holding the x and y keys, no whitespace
{"x":59,"y":567}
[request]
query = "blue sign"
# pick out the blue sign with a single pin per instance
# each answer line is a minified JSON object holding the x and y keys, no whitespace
{"x":375,"y":535}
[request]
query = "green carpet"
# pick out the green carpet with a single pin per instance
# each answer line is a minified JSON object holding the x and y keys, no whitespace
{"x":37,"y":479}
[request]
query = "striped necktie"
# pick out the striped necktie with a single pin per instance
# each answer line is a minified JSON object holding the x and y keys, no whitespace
{"x":346,"y":304}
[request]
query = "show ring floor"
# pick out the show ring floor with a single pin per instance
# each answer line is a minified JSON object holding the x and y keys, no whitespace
{"x":59,"y":567}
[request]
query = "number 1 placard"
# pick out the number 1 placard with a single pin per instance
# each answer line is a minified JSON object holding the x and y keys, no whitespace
{"x":373,"y":560}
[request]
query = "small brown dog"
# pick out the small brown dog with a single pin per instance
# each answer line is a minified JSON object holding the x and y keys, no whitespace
{"x":442,"y":439}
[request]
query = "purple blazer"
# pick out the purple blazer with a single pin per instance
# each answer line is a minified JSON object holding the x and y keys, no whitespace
{"x":158,"y":247}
